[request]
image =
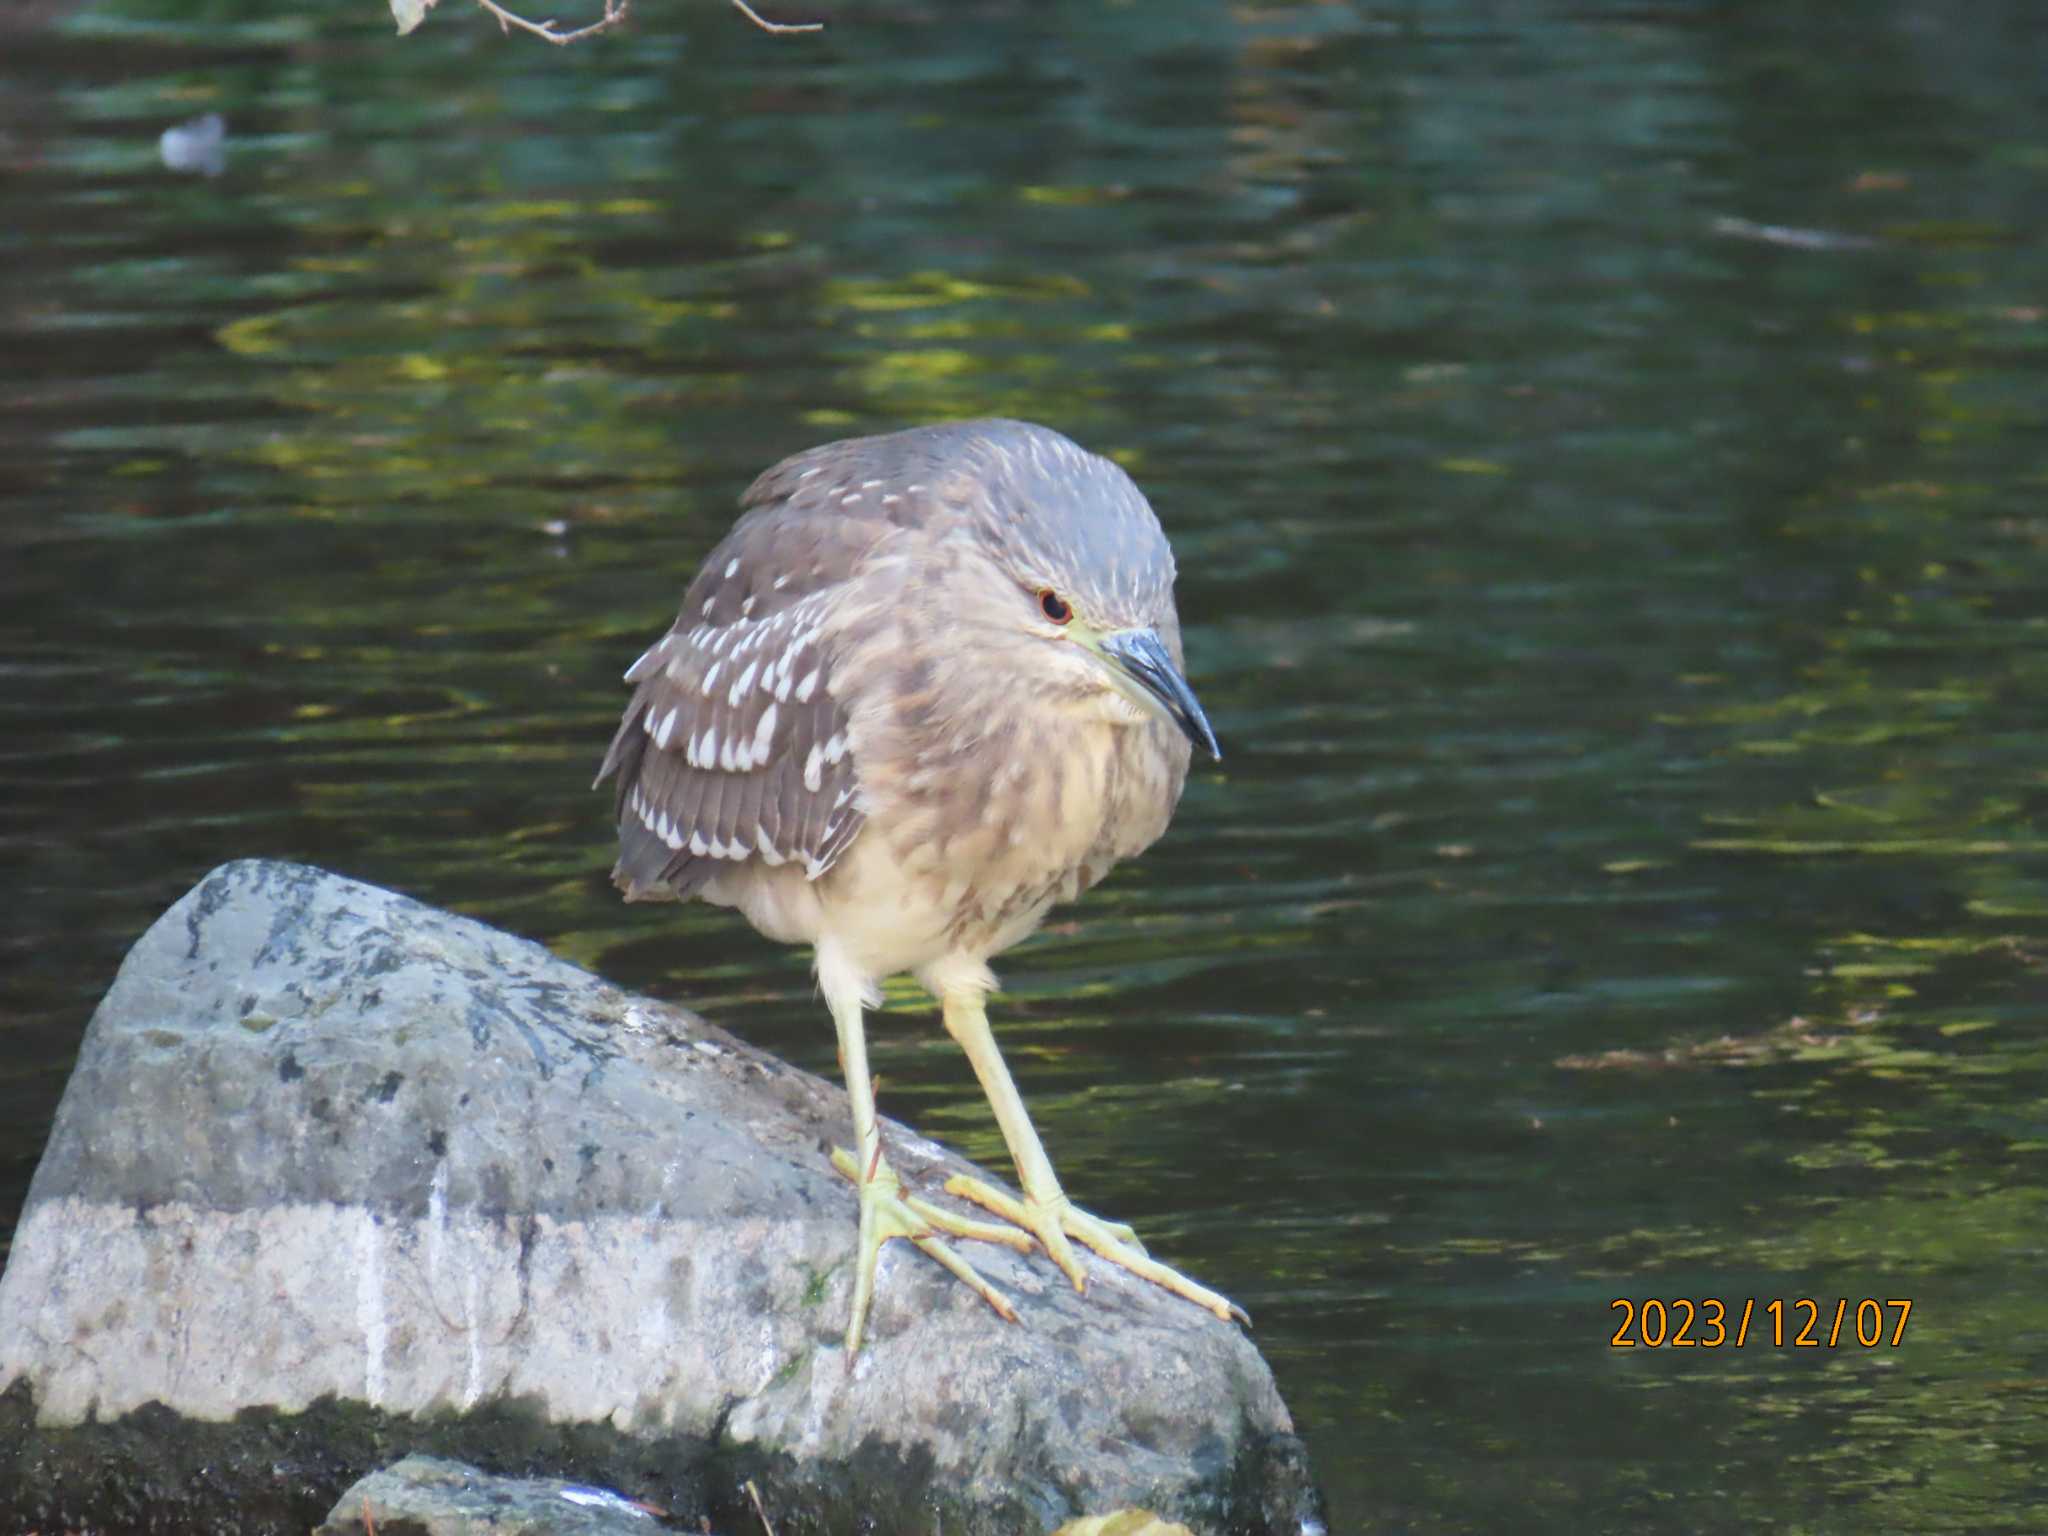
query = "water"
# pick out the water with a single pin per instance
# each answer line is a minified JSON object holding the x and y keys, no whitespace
{"x":1602,"y":444}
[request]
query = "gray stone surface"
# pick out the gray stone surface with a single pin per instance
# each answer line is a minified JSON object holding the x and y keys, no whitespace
{"x":450,"y":1498}
{"x":340,"y":1168}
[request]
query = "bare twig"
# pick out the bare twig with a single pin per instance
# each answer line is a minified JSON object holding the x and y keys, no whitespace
{"x":614,"y":13}
{"x":766,"y":25}
{"x":753,"y":1492}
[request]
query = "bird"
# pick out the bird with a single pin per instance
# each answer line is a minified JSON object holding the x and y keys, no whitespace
{"x":929,"y":685}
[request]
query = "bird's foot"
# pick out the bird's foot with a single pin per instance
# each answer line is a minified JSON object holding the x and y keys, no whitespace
{"x":1053,"y":1221}
{"x":886,"y":1212}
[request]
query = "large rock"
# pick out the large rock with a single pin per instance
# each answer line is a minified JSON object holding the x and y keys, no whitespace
{"x":339,"y":1176}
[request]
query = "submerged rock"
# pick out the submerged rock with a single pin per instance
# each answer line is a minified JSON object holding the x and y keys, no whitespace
{"x":448,"y":1498}
{"x":340,"y":1176}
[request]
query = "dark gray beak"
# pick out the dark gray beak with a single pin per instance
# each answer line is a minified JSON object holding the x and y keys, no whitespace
{"x":1142,"y":656}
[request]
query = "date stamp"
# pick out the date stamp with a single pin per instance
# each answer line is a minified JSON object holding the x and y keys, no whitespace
{"x":1799,"y":1323}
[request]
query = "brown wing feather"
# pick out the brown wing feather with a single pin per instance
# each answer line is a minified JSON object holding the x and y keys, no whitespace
{"x":733,"y":747}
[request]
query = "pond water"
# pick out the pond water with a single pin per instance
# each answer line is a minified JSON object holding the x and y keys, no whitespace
{"x":1604,"y":447}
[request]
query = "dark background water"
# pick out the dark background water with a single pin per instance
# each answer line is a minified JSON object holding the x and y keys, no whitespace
{"x":1604,"y":445}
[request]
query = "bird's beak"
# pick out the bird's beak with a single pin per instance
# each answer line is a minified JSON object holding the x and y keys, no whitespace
{"x":1141,"y":656}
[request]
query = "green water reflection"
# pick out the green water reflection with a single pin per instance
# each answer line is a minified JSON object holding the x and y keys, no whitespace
{"x":1604,"y":450}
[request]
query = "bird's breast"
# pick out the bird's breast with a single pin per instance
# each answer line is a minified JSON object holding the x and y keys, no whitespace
{"x":968,"y":848}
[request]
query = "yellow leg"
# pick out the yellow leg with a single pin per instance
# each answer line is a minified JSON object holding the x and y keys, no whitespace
{"x":1045,"y":1210}
{"x":885,"y":1212}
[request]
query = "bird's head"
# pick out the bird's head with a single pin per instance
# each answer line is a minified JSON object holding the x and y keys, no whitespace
{"x":1069,"y":563}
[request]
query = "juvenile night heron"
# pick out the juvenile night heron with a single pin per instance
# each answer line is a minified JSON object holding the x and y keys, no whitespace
{"x":929,"y":685}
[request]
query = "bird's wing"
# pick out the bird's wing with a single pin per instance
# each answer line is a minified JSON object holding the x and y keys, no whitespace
{"x":734,"y":747}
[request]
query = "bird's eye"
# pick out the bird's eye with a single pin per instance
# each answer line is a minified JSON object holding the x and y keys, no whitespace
{"x":1054,"y":606}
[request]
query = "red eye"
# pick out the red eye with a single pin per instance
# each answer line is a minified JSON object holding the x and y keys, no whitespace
{"x":1053,"y":606}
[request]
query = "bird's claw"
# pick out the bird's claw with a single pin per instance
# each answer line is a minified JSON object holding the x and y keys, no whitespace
{"x":886,"y":1212}
{"x":1054,"y":1220}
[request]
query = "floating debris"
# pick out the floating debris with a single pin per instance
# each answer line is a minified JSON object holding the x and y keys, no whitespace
{"x":1791,"y":235}
{"x":197,"y":148}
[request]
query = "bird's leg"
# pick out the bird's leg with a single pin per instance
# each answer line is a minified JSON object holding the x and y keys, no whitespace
{"x":885,"y":1212}
{"x":1046,"y":1212}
